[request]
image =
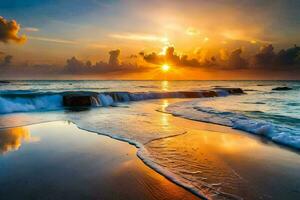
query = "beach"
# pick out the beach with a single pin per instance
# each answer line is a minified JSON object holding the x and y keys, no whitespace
{"x":149,"y":100}
{"x":149,"y":145}
{"x":57,"y":160}
{"x":221,"y":163}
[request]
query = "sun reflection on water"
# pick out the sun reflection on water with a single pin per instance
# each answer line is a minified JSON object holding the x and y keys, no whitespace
{"x":165,"y":85}
{"x":164,"y":118}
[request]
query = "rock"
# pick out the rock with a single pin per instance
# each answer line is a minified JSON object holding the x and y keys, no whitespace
{"x":232,"y":90}
{"x":282,"y":88}
{"x":4,"y":82}
{"x":80,"y":100}
{"x":235,"y":91}
{"x":210,"y":94}
{"x":187,"y":94}
{"x":72,"y":101}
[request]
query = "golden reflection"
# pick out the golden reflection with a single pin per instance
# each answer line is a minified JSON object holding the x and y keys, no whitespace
{"x":165,"y":85}
{"x":210,"y":142}
{"x":164,"y":118}
{"x":164,"y":105}
{"x":11,"y":139}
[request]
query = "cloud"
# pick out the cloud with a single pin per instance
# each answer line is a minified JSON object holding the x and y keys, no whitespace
{"x":73,"y":66}
{"x":76,"y":66}
{"x":30,"y":29}
{"x":285,"y":58}
{"x":55,"y":40}
{"x":264,"y":62}
{"x":235,"y":61}
{"x":288,"y":57}
{"x":265,"y":56}
{"x":5,"y":60}
{"x":114,"y":57}
{"x":140,"y":37}
{"x":114,"y":65}
{"x":9,"y":31}
{"x":171,"y":58}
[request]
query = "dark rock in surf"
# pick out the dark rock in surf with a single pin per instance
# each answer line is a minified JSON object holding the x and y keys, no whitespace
{"x":72,"y":100}
{"x":233,"y":90}
{"x":187,"y":94}
{"x":80,"y":100}
{"x":281,"y":89}
{"x":209,"y":94}
{"x":4,"y":82}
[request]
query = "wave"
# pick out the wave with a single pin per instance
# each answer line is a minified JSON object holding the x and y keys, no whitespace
{"x":284,"y":133}
{"x":32,"y":100}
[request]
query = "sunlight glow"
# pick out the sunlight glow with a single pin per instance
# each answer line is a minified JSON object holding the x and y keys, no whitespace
{"x":165,"y":68}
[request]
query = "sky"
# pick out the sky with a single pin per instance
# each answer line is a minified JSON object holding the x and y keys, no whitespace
{"x":134,"y":39}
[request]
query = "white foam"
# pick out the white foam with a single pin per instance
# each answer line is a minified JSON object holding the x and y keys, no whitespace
{"x":279,"y":134}
{"x":105,"y":100}
{"x":19,"y":104}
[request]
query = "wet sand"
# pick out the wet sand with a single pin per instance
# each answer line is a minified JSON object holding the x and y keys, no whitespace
{"x":57,"y":160}
{"x":225,"y":163}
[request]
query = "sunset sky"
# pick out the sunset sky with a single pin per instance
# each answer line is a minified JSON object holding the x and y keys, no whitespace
{"x":131,"y":39}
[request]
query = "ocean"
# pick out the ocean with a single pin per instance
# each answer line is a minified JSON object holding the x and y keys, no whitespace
{"x":263,"y":111}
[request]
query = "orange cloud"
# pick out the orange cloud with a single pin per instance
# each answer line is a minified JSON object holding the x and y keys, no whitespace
{"x":9,"y":31}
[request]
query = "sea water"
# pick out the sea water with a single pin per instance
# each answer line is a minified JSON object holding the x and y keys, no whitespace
{"x":271,"y":113}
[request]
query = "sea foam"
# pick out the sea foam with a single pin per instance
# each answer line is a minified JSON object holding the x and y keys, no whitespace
{"x":28,"y":101}
{"x":278,"y":133}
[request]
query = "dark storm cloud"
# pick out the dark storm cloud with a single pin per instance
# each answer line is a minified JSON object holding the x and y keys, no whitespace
{"x":235,"y":60}
{"x":284,"y":59}
{"x":9,"y":31}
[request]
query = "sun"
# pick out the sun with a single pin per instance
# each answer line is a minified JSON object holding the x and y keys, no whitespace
{"x":165,"y":68}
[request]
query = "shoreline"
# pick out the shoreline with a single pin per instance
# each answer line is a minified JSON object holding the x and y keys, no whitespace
{"x":198,"y":126}
{"x":125,"y":175}
{"x":201,"y":128}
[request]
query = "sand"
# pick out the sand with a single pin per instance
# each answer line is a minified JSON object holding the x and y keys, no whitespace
{"x":57,"y":160}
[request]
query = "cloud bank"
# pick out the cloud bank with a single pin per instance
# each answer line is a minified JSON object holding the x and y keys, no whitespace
{"x":265,"y":59}
{"x":265,"y":62}
{"x":73,"y":66}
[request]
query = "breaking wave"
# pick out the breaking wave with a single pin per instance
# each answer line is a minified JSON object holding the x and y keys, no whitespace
{"x":28,"y":101}
{"x":265,"y":124}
